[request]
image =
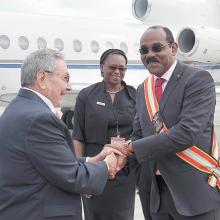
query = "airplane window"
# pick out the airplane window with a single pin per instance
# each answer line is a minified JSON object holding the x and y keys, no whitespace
{"x":4,"y":41}
{"x":94,"y":46}
{"x":77,"y":45}
{"x":124,"y":47}
{"x":109,"y":45}
{"x":41,"y":43}
{"x":58,"y":44}
{"x":23,"y":42}
{"x":141,"y":8}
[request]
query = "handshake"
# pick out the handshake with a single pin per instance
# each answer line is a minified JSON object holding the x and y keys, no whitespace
{"x":115,"y":156}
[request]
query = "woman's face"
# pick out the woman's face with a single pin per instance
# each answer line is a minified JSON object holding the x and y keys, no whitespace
{"x":113,"y":69}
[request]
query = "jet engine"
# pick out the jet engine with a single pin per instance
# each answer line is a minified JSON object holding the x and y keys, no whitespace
{"x":199,"y":44}
{"x":177,"y":13}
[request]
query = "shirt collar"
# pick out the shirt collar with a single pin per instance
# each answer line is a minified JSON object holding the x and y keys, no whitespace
{"x":169,"y":72}
{"x":44,"y":98}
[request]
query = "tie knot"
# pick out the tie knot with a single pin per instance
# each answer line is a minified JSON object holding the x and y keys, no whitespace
{"x":159,"y":82}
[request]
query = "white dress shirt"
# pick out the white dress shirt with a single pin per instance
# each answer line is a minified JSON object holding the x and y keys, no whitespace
{"x":167,"y":74}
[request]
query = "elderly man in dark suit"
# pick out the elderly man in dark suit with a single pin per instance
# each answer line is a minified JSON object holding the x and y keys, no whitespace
{"x":40,"y":176}
{"x":173,"y":129}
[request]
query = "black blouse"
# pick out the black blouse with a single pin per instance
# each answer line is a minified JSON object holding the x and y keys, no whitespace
{"x":95,"y":115}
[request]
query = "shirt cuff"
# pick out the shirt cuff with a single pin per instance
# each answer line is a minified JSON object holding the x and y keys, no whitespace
{"x":106,"y":164}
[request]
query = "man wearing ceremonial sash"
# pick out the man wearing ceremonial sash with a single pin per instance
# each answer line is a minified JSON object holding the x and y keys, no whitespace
{"x":174,"y":133}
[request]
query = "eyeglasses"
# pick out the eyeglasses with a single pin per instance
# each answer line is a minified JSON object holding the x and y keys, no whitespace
{"x":65,"y":78}
{"x":120,"y":68}
{"x":156,"y":48}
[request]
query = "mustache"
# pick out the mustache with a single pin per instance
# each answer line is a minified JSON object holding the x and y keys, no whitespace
{"x":152,"y":60}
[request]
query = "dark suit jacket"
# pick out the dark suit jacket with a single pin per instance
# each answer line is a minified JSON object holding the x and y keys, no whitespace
{"x":187,"y":108}
{"x":40,"y":176}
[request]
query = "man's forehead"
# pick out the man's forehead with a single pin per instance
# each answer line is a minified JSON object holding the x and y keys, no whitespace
{"x":61,"y":64}
{"x":153,"y":35}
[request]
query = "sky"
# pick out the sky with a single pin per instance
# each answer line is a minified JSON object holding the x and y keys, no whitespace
{"x":76,"y":8}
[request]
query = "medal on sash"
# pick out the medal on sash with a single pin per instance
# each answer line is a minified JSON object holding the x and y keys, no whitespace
{"x":157,"y":122}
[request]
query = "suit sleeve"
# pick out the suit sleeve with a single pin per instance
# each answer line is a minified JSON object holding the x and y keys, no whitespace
{"x":137,"y":133}
{"x":196,"y":115}
{"x":51,"y":156}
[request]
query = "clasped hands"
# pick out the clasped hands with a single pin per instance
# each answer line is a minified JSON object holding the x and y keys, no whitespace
{"x":115,"y":156}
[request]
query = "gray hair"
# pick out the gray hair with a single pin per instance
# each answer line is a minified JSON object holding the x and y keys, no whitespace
{"x":40,"y":60}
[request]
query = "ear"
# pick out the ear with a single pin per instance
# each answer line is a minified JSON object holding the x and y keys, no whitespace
{"x":174,"y":48}
{"x":41,"y":79}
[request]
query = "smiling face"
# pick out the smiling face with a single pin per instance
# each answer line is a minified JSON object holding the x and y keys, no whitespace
{"x":54,"y":85}
{"x":58,"y":83}
{"x":113,"y":69}
{"x":158,"y":55}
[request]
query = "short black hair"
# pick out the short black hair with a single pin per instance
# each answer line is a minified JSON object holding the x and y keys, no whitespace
{"x":169,"y":34}
{"x":111,"y":52}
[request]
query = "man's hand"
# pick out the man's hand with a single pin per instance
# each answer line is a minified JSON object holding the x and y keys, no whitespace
{"x":105,"y":151}
{"x":123,"y":148}
{"x":121,"y":162}
{"x":108,"y":150}
{"x":112,"y":161}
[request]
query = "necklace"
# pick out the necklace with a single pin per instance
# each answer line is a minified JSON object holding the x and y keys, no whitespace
{"x":113,"y":92}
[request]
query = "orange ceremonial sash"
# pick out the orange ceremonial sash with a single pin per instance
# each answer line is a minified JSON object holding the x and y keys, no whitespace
{"x":192,"y":155}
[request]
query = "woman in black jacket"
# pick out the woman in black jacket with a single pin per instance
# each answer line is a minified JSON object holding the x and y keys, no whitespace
{"x":104,"y":112}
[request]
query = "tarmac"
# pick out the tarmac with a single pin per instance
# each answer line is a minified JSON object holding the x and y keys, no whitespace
{"x":138,"y":214}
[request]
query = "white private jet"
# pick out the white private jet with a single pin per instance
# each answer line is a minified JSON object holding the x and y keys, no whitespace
{"x":196,"y":27}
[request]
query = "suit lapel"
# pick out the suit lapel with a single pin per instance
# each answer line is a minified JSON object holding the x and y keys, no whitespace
{"x":176,"y":75}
